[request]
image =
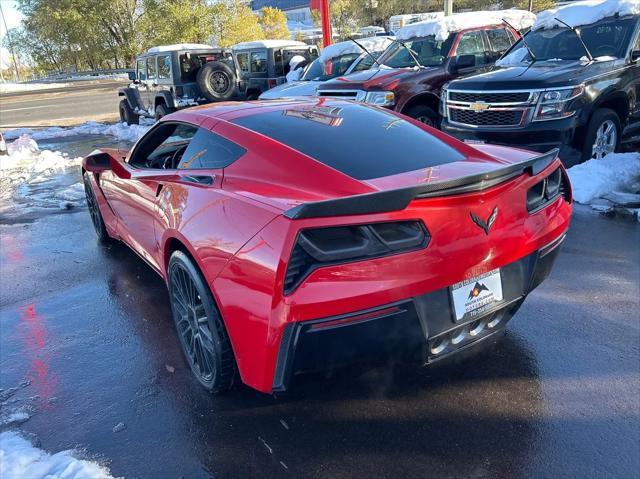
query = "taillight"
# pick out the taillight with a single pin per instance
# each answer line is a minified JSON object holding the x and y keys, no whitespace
{"x":319,"y":247}
{"x":547,"y":190}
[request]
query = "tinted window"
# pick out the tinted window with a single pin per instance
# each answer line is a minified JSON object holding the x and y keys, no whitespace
{"x":208,"y":150}
{"x":142,"y":75}
{"x":366,"y":62}
{"x":163,"y":146}
{"x":151,"y":68}
{"x":359,"y":141}
{"x":243,"y":62}
{"x":259,"y":62}
{"x":500,"y":39}
{"x":470,"y":44}
{"x":164,"y":66}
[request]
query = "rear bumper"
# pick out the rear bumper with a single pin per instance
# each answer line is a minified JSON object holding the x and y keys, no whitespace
{"x":421,"y":329}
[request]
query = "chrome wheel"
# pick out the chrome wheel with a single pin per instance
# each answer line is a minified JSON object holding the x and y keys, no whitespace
{"x":605,"y":141}
{"x":192,"y":323}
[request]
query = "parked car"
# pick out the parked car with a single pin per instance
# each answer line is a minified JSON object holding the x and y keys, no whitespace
{"x":289,"y":242}
{"x":550,"y":90}
{"x":335,"y":60}
{"x":172,"y":77}
{"x":428,"y":54}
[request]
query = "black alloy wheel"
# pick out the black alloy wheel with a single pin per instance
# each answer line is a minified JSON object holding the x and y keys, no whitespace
{"x":94,"y":209}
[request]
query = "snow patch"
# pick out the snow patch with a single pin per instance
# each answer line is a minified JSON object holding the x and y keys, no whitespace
{"x":16,"y":87}
{"x":25,"y":156}
{"x":585,"y":12}
{"x":13,"y":418}
{"x":616,"y":172}
{"x":373,"y":44}
{"x":179,"y":46}
{"x":441,"y":28}
{"x":120,"y":130}
{"x":20,"y":459}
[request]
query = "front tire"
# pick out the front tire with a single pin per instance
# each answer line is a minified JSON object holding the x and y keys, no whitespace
{"x":424,"y":114}
{"x":127,"y":114}
{"x":603,"y":135}
{"x":202,"y":334}
{"x":94,"y":210}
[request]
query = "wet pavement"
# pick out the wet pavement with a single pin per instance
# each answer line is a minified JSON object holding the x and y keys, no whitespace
{"x":89,"y":329}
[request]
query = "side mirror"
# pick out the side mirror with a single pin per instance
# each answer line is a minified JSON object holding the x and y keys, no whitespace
{"x":464,"y":61}
{"x":97,"y":162}
{"x":635,"y":55}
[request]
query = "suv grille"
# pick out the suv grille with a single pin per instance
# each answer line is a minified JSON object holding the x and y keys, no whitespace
{"x":487,"y":117}
{"x":498,"y":97}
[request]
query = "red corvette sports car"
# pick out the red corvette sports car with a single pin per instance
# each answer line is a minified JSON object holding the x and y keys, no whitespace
{"x":304,"y":234}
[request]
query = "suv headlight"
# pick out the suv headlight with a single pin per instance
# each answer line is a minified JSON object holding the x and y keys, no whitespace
{"x":380,"y":98}
{"x":443,"y":101}
{"x":552,"y":104}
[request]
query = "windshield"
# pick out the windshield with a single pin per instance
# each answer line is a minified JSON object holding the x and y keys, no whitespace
{"x":608,"y":38}
{"x":331,"y":68}
{"x":429,"y":52}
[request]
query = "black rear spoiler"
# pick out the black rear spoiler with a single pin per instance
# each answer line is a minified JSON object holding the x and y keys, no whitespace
{"x":395,"y":200}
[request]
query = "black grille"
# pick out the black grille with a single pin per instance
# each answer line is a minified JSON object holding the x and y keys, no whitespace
{"x":299,"y":264}
{"x":503,"y":97}
{"x":487,"y":117}
{"x":341,"y":94}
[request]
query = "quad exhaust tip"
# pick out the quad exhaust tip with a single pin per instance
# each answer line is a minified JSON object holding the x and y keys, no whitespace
{"x":463,"y":335}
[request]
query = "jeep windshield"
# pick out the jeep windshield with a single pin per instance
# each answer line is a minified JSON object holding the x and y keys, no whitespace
{"x":427,"y":50}
{"x":605,"y":39}
{"x":323,"y":70}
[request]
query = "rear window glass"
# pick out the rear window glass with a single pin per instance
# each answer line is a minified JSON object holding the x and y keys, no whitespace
{"x":208,"y":150}
{"x":361,"y":142}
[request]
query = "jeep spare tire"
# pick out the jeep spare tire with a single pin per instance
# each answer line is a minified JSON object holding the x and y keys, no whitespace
{"x":216,"y":81}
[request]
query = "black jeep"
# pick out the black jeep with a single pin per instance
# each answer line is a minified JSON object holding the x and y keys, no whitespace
{"x":172,"y":77}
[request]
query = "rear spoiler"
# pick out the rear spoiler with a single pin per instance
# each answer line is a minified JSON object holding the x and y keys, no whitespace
{"x":395,"y":200}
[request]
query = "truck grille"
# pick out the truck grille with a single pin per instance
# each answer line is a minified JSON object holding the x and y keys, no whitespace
{"x":487,"y":117}
{"x":497,"y":97}
{"x":357,"y":95}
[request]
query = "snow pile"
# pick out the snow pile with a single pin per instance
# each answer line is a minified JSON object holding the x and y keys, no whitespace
{"x":616,"y":172}
{"x":24,"y":155}
{"x":373,"y":44}
{"x":121,"y":131}
{"x":586,"y":12}
{"x":16,"y":87}
{"x":20,"y":459}
{"x":179,"y":46}
{"x":442,"y":27}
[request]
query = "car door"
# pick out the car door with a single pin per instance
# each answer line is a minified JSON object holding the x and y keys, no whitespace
{"x":472,"y":42}
{"x":151,"y":164}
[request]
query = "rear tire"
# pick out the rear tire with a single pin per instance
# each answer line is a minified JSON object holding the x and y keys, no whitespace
{"x":423,"y":114}
{"x":163,"y":110}
{"x":200,"y":329}
{"x":94,"y":210}
{"x":216,"y":81}
{"x":127,"y":114}
{"x":603,"y":135}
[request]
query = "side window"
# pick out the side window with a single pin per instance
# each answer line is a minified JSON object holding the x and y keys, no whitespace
{"x":208,"y":150}
{"x":499,"y":40}
{"x":471,"y":43}
{"x":163,"y":147}
{"x":243,"y":62}
{"x":140,"y":67}
{"x":151,"y":68}
{"x":164,"y":66}
{"x":365,"y":63}
{"x":259,"y":62}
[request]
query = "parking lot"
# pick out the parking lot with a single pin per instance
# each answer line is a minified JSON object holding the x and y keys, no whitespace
{"x":89,"y":344}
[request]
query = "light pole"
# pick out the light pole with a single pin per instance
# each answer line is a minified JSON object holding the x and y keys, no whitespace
{"x":448,"y":7}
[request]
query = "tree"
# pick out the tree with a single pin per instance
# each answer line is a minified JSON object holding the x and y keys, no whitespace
{"x":234,"y":22}
{"x":274,"y":24}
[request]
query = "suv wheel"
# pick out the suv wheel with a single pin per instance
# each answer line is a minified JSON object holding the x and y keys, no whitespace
{"x":162,"y":110}
{"x":127,"y":115}
{"x":423,"y":114}
{"x":216,"y":81}
{"x":603,"y":135}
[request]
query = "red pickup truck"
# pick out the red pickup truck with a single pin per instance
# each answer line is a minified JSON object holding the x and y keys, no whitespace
{"x":428,"y":54}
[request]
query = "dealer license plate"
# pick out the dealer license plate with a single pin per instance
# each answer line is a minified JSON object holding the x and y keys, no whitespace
{"x":477,"y":295}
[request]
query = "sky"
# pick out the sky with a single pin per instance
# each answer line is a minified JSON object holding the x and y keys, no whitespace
{"x":13,"y":17}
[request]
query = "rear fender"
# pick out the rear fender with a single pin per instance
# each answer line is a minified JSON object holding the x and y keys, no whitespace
{"x":132,"y":96}
{"x":166,"y":97}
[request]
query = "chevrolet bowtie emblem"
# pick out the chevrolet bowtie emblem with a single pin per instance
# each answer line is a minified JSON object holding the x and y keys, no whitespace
{"x":489,"y":223}
{"x":479,"y":106}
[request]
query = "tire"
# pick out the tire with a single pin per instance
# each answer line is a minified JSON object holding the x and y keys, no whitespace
{"x":163,"y":110}
{"x":94,"y":210}
{"x":216,"y":81}
{"x":423,"y":114}
{"x":126,"y":113}
{"x":201,"y":333}
{"x":602,"y":135}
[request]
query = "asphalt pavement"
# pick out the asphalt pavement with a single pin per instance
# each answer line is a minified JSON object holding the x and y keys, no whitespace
{"x":87,"y":339}
{"x":80,"y":102}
